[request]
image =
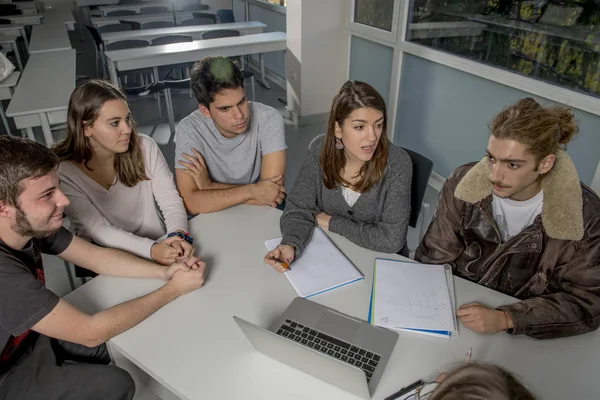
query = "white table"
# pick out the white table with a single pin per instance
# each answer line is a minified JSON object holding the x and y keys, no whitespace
{"x":179,"y":53}
{"x":6,"y":91}
{"x":195,"y":31}
{"x":41,"y":98}
{"x":49,"y":37}
{"x":11,"y":40}
{"x":101,"y":21}
{"x":179,"y":16}
{"x":15,"y":29}
{"x":193,"y":347}
{"x":31,"y":19}
{"x":60,"y":14}
{"x":183,"y":15}
{"x":134,"y":7}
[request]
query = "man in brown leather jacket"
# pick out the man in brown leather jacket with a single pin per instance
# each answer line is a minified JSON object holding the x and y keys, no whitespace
{"x":520,"y":222}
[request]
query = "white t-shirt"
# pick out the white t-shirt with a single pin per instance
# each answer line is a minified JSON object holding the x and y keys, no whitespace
{"x":514,"y":216}
{"x":350,"y":196}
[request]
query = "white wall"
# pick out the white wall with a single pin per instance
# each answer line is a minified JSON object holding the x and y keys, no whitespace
{"x":317,"y":56}
{"x":276,"y":22}
{"x":293,"y":56}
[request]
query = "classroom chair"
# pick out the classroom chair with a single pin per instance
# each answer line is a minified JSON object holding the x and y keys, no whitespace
{"x":212,"y":17}
{"x":120,"y":13}
{"x":126,"y":44}
{"x":95,"y":32}
{"x":194,"y":7}
{"x":221,"y":33}
{"x":165,"y":87}
{"x":154,"y":10}
{"x":135,"y":25}
{"x":225,"y":16}
{"x":132,"y":44}
{"x":166,"y":71}
{"x":197,"y":21}
{"x":169,"y":39}
{"x":114,"y":28}
{"x":98,"y":52}
{"x":422,"y":168}
{"x":157,"y":24}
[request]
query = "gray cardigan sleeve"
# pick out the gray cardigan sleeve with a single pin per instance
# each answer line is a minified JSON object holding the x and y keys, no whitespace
{"x":298,"y":219}
{"x":389,"y":234}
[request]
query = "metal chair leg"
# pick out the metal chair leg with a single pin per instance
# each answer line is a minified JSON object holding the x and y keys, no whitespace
{"x":70,"y":275}
{"x":4,"y":120}
{"x":170,"y":113}
{"x":157,"y":94}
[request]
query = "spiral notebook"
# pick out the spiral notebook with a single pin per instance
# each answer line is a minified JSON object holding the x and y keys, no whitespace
{"x":321,"y":267}
{"x":413,"y":297}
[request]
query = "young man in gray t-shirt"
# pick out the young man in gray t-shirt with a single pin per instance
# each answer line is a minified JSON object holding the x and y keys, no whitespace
{"x":230,"y":151}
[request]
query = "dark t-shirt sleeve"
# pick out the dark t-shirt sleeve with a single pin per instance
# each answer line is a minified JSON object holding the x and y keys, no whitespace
{"x":57,"y":243}
{"x":24,"y":298}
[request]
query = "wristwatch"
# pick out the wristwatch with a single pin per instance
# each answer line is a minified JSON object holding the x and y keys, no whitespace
{"x":185,"y":236}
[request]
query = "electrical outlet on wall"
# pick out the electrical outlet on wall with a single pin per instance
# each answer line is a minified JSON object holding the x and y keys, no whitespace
{"x":294,"y":75}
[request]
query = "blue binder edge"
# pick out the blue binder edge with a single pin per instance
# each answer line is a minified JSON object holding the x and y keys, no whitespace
{"x":370,"y":317}
{"x":335,"y":287}
{"x":441,"y":333}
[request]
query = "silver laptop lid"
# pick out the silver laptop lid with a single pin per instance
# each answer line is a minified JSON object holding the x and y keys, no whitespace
{"x":330,"y":370}
{"x":353,"y":331}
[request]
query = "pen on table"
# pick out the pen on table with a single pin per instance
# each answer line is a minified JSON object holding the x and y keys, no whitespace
{"x":468,"y":356}
{"x":405,"y":390}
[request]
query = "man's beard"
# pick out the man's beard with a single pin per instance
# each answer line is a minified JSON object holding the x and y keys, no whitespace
{"x":23,"y":227}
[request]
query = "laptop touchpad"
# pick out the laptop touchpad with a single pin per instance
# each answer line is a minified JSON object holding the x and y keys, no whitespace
{"x":338,"y":325}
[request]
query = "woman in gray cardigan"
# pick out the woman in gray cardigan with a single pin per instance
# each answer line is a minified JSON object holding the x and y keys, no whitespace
{"x":354,"y":182}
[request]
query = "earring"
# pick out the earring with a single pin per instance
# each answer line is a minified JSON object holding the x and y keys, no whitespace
{"x":338,"y":143}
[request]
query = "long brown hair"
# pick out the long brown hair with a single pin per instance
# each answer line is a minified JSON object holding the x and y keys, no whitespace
{"x":352,"y":96}
{"x":84,"y":105}
{"x":542,"y":129}
{"x":481,"y":382}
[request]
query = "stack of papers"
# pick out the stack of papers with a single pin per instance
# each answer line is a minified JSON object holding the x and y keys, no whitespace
{"x":321,"y":267}
{"x":414,"y":297}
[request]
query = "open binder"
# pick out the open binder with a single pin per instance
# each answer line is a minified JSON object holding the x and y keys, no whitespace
{"x":409,"y":296}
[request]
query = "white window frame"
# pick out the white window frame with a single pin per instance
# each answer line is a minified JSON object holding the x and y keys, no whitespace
{"x":369,"y":32}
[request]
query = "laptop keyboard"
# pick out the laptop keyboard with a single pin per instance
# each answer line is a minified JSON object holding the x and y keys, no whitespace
{"x":331,"y":346}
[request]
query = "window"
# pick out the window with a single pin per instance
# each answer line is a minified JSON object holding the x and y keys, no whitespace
{"x":553,"y":41}
{"x":375,"y":13}
{"x":278,"y":2}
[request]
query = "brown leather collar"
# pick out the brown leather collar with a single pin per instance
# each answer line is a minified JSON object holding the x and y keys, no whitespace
{"x":562,"y":212}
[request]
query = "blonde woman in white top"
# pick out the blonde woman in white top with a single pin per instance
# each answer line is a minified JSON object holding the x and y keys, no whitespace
{"x":121,"y":190}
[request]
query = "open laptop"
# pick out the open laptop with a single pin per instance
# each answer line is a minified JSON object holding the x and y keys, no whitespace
{"x":343,"y":351}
